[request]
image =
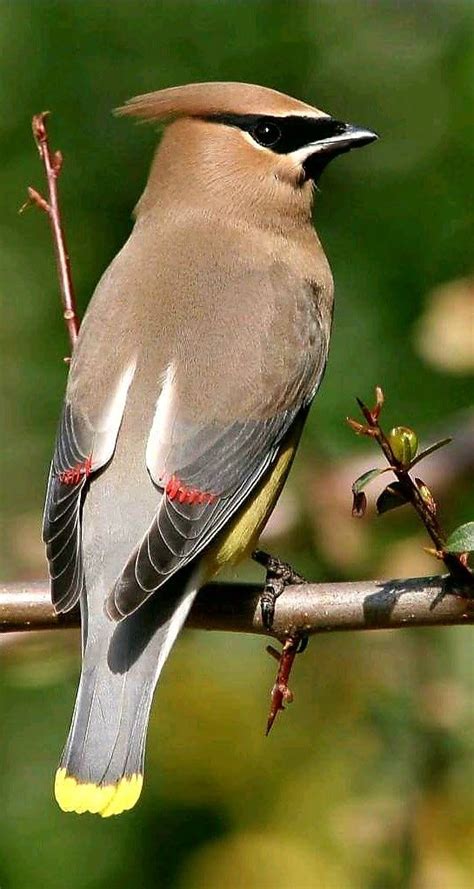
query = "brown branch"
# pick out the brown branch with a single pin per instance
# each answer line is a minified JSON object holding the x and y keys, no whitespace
{"x":302,"y":610}
{"x":413,"y":491}
{"x":52,"y":162}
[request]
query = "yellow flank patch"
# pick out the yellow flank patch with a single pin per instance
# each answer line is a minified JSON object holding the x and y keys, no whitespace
{"x":240,"y":536}
{"x":105,"y":800}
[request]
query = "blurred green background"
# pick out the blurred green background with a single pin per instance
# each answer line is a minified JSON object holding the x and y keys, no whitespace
{"x":367,"y":782}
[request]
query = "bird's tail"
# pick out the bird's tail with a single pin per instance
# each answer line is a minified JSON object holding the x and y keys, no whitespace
{"x":101,"y":768}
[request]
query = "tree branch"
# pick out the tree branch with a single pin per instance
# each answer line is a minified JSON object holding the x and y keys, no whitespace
{"x":400,"y":448}
{"x":52,"y":162}
{"x":301,"y":610}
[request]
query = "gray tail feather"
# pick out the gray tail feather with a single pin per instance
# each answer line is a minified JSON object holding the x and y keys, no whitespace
{"x":121,"y":665}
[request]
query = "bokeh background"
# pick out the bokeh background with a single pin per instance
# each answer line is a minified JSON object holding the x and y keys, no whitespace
{"x":367,"y":782}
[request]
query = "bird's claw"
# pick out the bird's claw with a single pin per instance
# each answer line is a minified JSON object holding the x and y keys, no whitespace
{"x":279,"y":575}
{"x":303,"y":644}
{"x":267,"y":605}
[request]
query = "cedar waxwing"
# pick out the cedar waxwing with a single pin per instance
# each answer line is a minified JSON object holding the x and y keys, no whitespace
{"x":198,"y":358}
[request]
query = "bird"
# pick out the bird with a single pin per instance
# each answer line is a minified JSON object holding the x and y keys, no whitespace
{"x":197,"y":361}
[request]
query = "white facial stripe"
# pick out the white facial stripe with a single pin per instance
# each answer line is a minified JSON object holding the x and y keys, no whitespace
{"x":318,"y":115}
{"x":301,"y":154}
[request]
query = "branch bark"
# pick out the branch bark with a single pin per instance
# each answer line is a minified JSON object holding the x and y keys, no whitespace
{"x":305,"y":609}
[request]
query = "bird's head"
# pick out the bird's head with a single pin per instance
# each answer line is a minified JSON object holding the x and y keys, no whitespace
{"x":237,"y":136}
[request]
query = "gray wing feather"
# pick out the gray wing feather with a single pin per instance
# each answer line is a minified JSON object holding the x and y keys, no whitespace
{"x":62,"y":512}
{"x":180,"y":531}
{"x":228,"y":462}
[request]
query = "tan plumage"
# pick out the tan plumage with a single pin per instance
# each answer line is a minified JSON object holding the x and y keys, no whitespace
{"x":199,"y":99}
{"x":197,"y":361}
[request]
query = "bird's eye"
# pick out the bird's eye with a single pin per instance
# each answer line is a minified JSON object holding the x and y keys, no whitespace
{"x":266,"y":133}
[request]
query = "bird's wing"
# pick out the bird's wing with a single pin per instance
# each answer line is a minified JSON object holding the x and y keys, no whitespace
{"x":206,"y":471}
{"x":83,"y":446}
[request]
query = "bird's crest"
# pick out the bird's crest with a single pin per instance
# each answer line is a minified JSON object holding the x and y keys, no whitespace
{"x":204,"y":99}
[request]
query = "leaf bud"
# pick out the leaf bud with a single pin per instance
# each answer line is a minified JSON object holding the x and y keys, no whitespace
{"x":404,"y":444}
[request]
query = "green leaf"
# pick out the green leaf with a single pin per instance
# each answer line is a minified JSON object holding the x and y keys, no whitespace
{"x":391,"y":498}
{"x":365,"y":479}
{"x":432,"y":448}
{"x":462,"y":539}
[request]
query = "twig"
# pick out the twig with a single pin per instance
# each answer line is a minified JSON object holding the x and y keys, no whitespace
{"x":281,"y":694}
{"x":302,"y":610}
{"x":411,"y":490}
{"x":52,"y":162}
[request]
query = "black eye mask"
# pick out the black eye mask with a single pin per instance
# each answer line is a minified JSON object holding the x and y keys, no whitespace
{"x":282,"y":134}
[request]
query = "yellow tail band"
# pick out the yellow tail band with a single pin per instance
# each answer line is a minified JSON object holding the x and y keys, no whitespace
{"x":100,"y":799}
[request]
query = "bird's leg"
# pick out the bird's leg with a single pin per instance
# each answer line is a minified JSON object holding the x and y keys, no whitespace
{"x":279,"y":575}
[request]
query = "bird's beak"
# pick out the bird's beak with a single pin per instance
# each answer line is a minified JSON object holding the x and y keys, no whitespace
{"x":319,"y":153}
{"x":351,"y":137}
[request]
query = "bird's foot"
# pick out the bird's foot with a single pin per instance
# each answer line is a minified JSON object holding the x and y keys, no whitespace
{"x":281,"y":693}
{"x":279,"y":575}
